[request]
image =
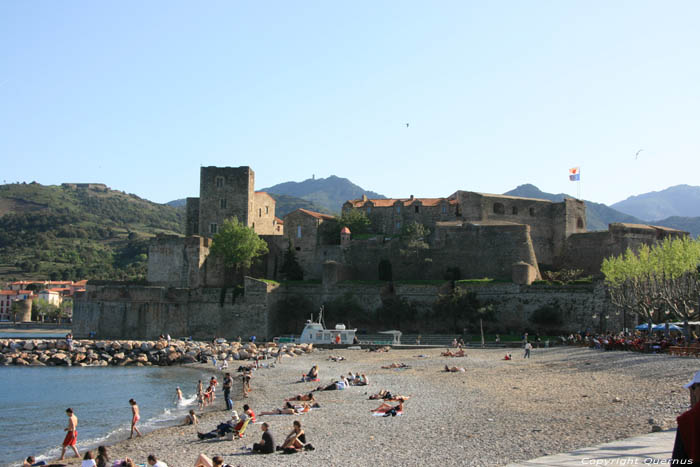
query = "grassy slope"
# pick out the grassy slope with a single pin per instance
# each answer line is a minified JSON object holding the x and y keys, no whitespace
{"x":62,"y":233}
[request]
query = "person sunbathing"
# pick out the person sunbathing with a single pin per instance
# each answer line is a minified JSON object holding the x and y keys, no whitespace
{"x":336,"y":358}
{"x":302,"y":397}
{"x":380,"y":395}
{"x":341,"y":384}
{"x":291,"y":409}
{"x":449,"y":353}
{"x":388,"y":409}
{"x":363,"y":380}
{"x":395,"y":365}
{"x":454,"y":369}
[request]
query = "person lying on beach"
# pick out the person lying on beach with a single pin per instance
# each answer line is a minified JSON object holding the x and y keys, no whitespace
{"x":341,"y":384}
{"x":395,"y":365}
{"x":386,"y":348}
{"x":191,"y":418}
{"x":312,"y":375}
{"x":31,"y":462}
{"x":336,"y":358}
{"x":388,"y":396}
{"x":302,"y":397}
{"x":389,"y":410}
{"x":153,"y":461}
{"x":291,"y":409}
{"x":454,"y":369}
{"x":204,"y":461}
{"x":508,"y":357}
{"x":449,"y":353}
{"x":222,"y":429}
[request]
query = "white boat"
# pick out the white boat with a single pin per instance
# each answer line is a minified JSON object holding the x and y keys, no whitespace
{"x":315,"y":332}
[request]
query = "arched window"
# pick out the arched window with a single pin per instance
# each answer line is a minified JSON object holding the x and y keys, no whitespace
{"x":579,"y":223}
{"x":532,"y":212}
{"x":515,"y":210}
{"x":298,"y":231}
{"x":498,"y":208}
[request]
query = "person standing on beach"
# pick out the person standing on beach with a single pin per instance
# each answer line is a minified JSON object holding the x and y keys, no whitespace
{"x":246,"y":376}
{"x":528,"y":348}
{"x":135,"y":417}
{"x":228,"y":384}
{"x":687,"y":444}
{"x":72,"y":434}
{"x":178,"y":395}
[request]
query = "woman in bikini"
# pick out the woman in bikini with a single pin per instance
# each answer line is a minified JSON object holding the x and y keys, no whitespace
{"x":302,"y":397}
{"x":296,"y":439}
{"x":389,"y":409}
{"x":135,"y":417}
{"x":289,"y":409}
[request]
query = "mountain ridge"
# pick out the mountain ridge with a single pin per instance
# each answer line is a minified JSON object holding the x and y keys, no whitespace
{"x":674,"y":201}
{"x":329,"y":193}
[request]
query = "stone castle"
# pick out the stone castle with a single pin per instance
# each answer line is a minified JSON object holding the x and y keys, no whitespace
{"x":472,"y":235}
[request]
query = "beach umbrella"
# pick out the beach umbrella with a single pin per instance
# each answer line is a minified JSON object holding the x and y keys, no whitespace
{"x":643,"y":327}
{"x":662,"y":327}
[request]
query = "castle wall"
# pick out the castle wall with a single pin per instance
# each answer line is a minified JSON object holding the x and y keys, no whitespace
{"x":136,"y":312}
{"x":588,"y":250}
{"x":477,"y":250}
{"x":583,"y":307}
{"x":192,"y":216}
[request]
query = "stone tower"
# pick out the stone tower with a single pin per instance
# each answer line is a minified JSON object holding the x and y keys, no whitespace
{"x":224,"y":192}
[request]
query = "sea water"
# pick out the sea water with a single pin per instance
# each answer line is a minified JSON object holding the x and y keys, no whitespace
{"x":34,"y":400}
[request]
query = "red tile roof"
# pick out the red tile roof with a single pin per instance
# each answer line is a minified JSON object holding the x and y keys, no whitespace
{"x":345,"y":230}
{"x":383,"y":203}
{"x":317,"y":215}
{"x":279,"y":221}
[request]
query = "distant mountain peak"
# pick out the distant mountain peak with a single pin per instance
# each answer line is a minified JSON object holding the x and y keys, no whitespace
{"x":330,"y":192}
{"x":677,"y":201}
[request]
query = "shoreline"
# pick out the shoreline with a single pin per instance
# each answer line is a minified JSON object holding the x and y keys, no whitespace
{"x":496,"y":412}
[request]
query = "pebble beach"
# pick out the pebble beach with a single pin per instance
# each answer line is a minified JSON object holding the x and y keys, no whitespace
{"x":494,"y":413}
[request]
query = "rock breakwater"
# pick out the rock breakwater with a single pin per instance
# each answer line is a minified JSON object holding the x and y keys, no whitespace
{"x":52,"y":352}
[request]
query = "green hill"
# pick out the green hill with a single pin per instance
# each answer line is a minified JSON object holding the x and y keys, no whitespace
{"x":70,"y":233}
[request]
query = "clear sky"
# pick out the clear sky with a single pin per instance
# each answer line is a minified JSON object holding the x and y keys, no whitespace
{"x":139,"y":94}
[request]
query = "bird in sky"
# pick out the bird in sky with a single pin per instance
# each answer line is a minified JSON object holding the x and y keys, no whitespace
{"x":407,"y":125}
{"x":636,"y":155}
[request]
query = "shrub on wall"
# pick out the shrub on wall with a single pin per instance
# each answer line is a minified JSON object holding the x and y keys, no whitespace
{"x":396,"y":313}
{"x":460,"y":310}
{"x":346,"y":310}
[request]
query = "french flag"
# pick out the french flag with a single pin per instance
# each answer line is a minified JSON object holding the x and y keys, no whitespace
{"x":575,"y":174}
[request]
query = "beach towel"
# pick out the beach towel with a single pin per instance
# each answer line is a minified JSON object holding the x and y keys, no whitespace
{"x":388,"y":413}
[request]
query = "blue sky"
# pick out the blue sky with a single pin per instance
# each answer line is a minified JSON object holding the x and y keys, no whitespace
{"x":138,"y":95}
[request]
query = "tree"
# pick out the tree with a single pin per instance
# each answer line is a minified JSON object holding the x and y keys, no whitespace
{"x":664,"y":275}
{"x":413,"y":236}
{"x":354,"y":219}
{"x":237,"y":245}
{"x":291,"y":269}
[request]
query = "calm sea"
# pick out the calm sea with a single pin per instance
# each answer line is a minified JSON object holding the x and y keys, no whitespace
{"x":34,"y":400}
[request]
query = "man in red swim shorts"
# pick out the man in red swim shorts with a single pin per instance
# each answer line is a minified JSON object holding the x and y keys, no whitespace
{"x":71,"y":435}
